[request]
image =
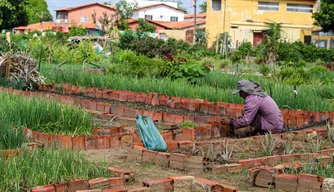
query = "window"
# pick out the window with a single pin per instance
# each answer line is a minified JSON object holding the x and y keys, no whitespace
{"x":174,"y":19}
{"x":216,"y":5}
{"x":304,"y":8}
{"x":149,"y":17}
{"x":161,"y":16}
{"x":268,"y":6}
{"x":83,"y":19}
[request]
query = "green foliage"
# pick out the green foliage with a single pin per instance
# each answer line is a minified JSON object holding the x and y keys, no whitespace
{"x":12,"y":13}
{"x":325,"y":17}
{"x":264,"y":69}
{"x":190,"y":71}
{"x":126,"y":39}
{"x":125,"y":11}
{"x":77,"y":31}
{"x":144,"y":26}
{"x":203,"y":7}
{"x":235,"y":56}
{"x":245,"y":49}
{"x":37,"y":11}
{"x":188,"y":124}
{"x":130,"y":64}
{"x":271,"y":42}
{"x":10,"y":138}
{"x":152,"y":47}
{"x":201,"y":37}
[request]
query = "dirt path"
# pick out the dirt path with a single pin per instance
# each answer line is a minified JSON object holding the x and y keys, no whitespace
{"x":145,"y":171}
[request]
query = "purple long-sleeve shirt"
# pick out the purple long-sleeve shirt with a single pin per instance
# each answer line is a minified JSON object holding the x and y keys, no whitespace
{"x":261,"y":113}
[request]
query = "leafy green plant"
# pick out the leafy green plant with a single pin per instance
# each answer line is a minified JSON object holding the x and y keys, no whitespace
{"x":188,"y":124}
{"x":245,"y":49}
{"x":77,"y":31}
{"x":190,"y":71}
{"x":268,"y":144}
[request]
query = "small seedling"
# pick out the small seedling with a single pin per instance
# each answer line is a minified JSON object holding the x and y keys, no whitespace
{"x":289,"y":147}
{"x":188,"y":124}
{"x":314,"y":143}
{"x":330,"y":134}
{"x":268,"y":144}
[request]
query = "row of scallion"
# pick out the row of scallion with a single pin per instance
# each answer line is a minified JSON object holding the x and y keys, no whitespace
{"x":215,"y":87}
{"x":42,"y":115}
{"x":48,"y":166}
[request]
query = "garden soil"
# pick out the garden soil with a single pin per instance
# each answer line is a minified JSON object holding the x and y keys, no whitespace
{"x":145,"y":172}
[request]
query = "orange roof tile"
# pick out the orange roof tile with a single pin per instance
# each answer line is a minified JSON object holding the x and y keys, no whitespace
{"x":160,"y":4}
{"x":38,"y":26}
{"x":161,"y":23}
{"x":199,"y":15}
{"x":183,"y":24}
{"x":21,"y":28}
{"x":86,"y":5}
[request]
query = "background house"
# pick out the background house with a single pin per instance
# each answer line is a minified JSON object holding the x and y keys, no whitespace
{"x":160,"y":12}
{"x":199,"y":17}
{"x":43,"y":26}
{"x":181,"y":30}
{"x":245,"y":20}
{"x":82,"y":15}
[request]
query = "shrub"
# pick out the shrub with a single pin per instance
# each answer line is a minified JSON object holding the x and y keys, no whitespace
{"x":152,"y":47}
{"x":236,"y":56}
{"x":190,"y":71}
{"x":245,"y":49}
{"x":130,"y":64}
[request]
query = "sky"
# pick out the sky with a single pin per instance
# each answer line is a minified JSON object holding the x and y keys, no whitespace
{"x":57,"y":4}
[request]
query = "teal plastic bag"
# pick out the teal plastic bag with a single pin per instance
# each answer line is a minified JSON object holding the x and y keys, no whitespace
{"x":149,"y":134}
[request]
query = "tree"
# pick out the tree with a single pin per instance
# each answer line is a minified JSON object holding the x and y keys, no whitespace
{"x":271,"y":42}
{"x":12,"y":13}
{"x":37,"y":11}
{"x":144,"y":27}
{"x":124,"y":12}
{"x":325,"y":17}
{"x":203,"y":7}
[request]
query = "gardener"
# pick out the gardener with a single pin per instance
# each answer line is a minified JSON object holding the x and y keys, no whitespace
{"x":260,"y":111}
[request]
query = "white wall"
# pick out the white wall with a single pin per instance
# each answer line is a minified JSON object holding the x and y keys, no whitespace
{"x":145,"y":3}
{"x":158,"y":11}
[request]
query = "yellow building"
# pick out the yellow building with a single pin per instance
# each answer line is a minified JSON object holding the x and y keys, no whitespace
{"x":244,"y":20}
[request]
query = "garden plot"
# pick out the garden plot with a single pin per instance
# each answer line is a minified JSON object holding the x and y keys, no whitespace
{"x":197,"y":164}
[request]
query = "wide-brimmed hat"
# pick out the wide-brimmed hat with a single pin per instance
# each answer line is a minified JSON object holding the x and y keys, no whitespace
{"x":242,"y":86}
{"x":249,"y":87}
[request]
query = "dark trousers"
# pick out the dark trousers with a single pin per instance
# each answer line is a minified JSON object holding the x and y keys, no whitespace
{"x":256,"y":132}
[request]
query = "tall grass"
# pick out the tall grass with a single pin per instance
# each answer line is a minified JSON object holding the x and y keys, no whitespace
{"x":10,"y":138}
{"x":44,"y":115}
{"x":42,"y":167}
{"x":215,"y":86}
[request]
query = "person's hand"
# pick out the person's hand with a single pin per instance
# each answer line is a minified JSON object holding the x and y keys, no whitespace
{"x":225,"y":121}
